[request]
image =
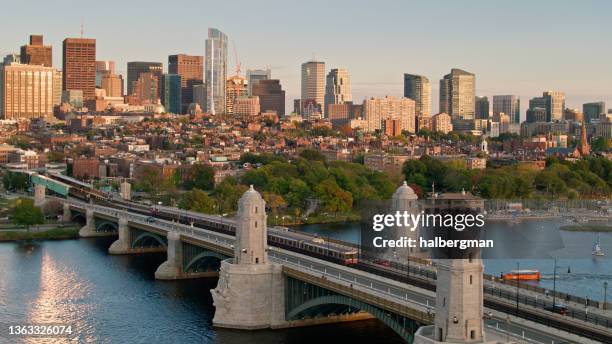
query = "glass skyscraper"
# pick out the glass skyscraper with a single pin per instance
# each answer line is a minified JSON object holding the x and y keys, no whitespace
{"x":457,"y":94}
{"x":418,"y":88}
{"x":508,"y":104}
{"x":171,"y":93}
{"x":216,"y":71}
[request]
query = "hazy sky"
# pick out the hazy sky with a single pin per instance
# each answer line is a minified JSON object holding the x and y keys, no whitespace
{"x":513,"y":47}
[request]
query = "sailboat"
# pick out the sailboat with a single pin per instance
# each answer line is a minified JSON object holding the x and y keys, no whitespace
{"x":597,"y":248}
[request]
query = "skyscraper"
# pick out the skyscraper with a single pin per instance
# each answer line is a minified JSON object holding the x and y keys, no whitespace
{"x":171,"y":92}
{"x":79,"y":66}
{"x":191,"y":70}
{"x":418,"y":88}
{"x":482,"y":108}
{"x":457,"y":94}
{"x":271,"y":96}
{"x":36,"y":53}
{"x":508,"y":104}
{"x":236,"y":87}
{"x":337,"y":88}
{"x":313,"y":82}
{"x":134,"y":69}
{"x":147,"y":88}
{"x":104,"y":68}
{"x":254,"y":75}
{"x":593,"y":110}
{"x":199,"y":95}
{"x":555,"y":105}
{"x":27,"y":91}
{"x":112,"y":84}
{"x":216,"y":71}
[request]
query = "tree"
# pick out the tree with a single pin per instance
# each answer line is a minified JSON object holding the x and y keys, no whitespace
{"x":26,"y":214}
{"x":201,"y":176}
{"x":333,"y":198}
{"x":15,"y":181}
{"x":274,"y":201}
{"x":227,"y":194}
{"x":197,"y":200}
{"x":313,"y":155}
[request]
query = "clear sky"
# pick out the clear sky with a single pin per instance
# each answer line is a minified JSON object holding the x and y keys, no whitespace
{"x":513,"y":47}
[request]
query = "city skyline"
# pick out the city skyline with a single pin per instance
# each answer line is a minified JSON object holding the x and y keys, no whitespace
{"x":511,"y":61}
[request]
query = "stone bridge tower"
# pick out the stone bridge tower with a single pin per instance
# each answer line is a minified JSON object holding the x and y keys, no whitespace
{"x":251,"y":240}
{"x":250,"y":291}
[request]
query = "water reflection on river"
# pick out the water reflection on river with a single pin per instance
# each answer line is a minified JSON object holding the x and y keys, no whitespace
{"x":115,"y":299}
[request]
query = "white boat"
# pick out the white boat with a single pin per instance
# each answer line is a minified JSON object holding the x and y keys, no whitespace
{"x":597,"y":248}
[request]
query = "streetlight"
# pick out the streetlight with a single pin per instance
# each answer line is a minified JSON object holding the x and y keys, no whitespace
{"x":518,"y":280}
{"x":554,"y":305}
{"x":605,"y":294}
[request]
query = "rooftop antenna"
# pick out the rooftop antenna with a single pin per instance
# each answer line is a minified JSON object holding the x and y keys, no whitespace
{"x":314,"y":57}
{"x":82,"y":27}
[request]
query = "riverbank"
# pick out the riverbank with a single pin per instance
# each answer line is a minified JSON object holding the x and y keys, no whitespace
{"x":59,"y":233}
{"x":586,"y":228}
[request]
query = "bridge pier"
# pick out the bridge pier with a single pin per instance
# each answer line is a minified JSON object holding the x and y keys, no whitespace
{"x":67,"y":214}
{"x":89,"y":230}
{"x":122,"y":244}
{"x":249,"y":296}
{"x":39,"y":194}
{"x":172,"y":268}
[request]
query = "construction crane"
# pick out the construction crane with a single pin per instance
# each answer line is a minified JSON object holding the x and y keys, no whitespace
{"x":236,"y":59}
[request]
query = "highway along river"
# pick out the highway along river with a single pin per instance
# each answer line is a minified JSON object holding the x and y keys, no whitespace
{"x":115,"y":299}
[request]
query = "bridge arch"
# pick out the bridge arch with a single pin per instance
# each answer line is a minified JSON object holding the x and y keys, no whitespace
{"x":322,"y":304}
{"x":79,"y":217}
{"x":305,"y":300}
{"x":107,"y":226}
{"x":147,"y":239}
{"x":206,"y":259}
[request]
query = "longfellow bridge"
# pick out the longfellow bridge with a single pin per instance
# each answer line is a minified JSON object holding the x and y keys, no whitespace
{"x":297,"y":288}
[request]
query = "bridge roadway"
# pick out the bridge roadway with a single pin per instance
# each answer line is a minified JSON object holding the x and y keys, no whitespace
{"x":396,"y":295}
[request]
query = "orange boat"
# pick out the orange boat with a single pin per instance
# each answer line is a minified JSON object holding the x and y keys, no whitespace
{"x":527,"y":275}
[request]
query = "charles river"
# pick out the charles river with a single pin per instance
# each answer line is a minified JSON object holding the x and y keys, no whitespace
{"x":115,"y":299}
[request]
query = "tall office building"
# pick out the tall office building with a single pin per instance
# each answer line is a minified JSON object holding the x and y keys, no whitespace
{"x":191,"y":70}
{"x":337,"y":88}
{"x":592,"y":111}
{"x":27,"y":91}
{"x":104,"y":68}
{"x":376,"y":110}
{"x":199,"y":95}
{"x":555,"y":105}
{"x":418,"y":88}
{"x":147,"y":88}
{"x":236,"y":87}
{"x":216,"y":71}
{"x":135,"y":68}
{"x":508,"y":104}
{"x":254,"y":75}
{"x":271,"y":96}
{"x":170,"y":86}
{"x":457,"y":94}
{"x":36,"y":53}
{"x":482,"y":108}
{"x":313,"y":82}
{"x":112,"y":84}
{"x":79,"y":66}
{"x":536,"y":114}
